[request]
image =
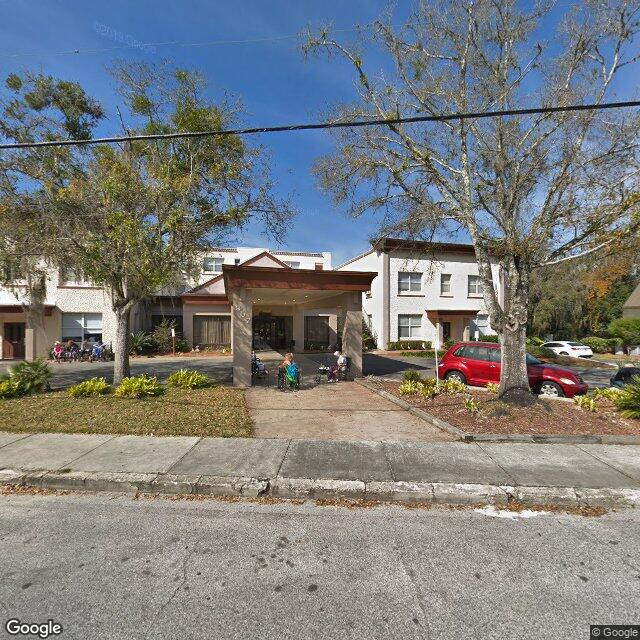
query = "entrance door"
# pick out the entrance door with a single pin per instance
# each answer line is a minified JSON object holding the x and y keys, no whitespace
{"x":13,"y":341}
{"x":269,"y":333}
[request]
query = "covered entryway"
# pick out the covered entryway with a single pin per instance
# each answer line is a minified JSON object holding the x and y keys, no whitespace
{"x":454,"y":324}
{"x":259,"y":294}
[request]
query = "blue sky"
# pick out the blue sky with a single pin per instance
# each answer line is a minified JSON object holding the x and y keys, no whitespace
{"x":273,"y":79}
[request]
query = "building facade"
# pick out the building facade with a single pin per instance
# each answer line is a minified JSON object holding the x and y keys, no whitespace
{"x":423,"y":291}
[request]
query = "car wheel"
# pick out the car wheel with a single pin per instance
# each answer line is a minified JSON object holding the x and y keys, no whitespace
{"x":456,"y":375}
{"x":563,"y":353}
{"x":551,"y":389}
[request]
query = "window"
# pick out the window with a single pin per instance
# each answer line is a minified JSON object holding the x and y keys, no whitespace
{"x":409,"y":282}
{"x":474,"y":286}
{"x":82,"y":326}
{"x":319,"y":266}
{"x":445,"y":284}
{"x":409,"y":326}
{"x":317,"y":333}
{"x":212,"y":265}
{"x":236,"y":261}
{"x":294,"y":264}
{"x":212,"y":331}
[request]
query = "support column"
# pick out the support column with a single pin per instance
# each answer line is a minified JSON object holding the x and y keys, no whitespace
{"x":241,"y":320}
{"x":352,"y":332}
{"x":30,"y":345}
{"x":386,"y":289}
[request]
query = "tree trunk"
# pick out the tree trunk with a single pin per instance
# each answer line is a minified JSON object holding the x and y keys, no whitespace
{"x":514,"y":381}
{"x":121,"y":367}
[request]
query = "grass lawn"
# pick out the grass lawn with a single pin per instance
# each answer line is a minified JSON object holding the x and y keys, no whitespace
{"x":216,"y":411}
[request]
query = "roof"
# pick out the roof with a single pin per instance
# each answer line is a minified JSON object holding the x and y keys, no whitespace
{"x":389,"y":244}
{"x":634,"y":299}
{"x":276,"y":278}
{"x":298,"y":253}
{"x":362,"y":255}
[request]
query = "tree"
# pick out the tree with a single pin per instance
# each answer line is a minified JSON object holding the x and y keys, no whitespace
{"x":36,"y":107}
{"x":527,"y":190}
{"x":627,"y":330}
{"x":135,"y":217}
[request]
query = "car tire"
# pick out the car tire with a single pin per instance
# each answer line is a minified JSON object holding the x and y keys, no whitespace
{"x":550,"y":389}
{"x":563,"y":353}
{"x":455,"y":375}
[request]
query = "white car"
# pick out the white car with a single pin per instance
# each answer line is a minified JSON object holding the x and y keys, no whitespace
{"x":573,"y":349}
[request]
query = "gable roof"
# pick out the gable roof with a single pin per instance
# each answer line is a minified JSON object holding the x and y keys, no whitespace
{"x":634,"y":299}
{"x":264,"y":255}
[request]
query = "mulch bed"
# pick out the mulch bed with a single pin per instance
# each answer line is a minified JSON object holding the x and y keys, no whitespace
{"x":545,"y":417}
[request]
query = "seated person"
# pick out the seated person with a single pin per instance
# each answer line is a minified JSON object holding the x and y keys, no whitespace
{"x":58,"y":350}
{"x":340,"y":365}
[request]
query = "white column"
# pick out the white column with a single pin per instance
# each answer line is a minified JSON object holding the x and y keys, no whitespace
{"x":241,"y":321}
{"x":352,"y":332}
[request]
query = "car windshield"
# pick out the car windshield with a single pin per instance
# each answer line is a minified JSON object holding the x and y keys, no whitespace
{"x":575,"y":344}
{"x":532,"y":360}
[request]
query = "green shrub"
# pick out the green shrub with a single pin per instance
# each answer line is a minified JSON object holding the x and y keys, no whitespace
{"x":471,"y":405}
{"x":188,"y":379}
{"x":87,"y":388}
{"x":411,"y":375}
{"x":32,"y":377}
{"x":410,"y":387}
{"x":541,"y":352}
{"x":586,"y":402}
{"x":609,"y":393}
{"x":422,"y":354}
{"x":409,"y":345}
{"x":534,"y":341}
{"x":626,"y":330}
{"x":453,"y":386}
{"x":162,"y":338}
{"x":182,"y":346}
{"x":493,"y":387}
{"x":139,"y":386}
{"x":598,"y":345}
{"x":430,"y":388}
{"x":628,"y":400}
{"x":140,"y":343}
{"x":491,"y":338}
{"x":10,"y":389}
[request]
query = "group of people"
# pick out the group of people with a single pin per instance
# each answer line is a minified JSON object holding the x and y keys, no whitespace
{"x":288,"y":369}
{"x":73,"y":352}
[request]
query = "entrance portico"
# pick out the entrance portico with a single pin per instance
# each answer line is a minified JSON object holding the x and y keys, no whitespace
{"x":300,"y":308}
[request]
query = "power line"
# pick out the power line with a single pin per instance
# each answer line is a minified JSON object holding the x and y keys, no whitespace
{"x":324,"y":125}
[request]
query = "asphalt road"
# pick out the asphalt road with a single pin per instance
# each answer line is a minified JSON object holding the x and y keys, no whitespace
{"x":116,"y":567}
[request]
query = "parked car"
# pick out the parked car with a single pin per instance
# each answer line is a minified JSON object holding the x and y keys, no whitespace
{"x":624,"y":376}
{"x":573,"y":349}
{"x":478,"y":363}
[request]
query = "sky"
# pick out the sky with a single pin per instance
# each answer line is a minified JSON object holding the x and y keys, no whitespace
{"x":275,"y":82}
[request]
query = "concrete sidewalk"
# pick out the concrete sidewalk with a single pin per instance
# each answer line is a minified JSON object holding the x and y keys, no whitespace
{"x":447,"y":472}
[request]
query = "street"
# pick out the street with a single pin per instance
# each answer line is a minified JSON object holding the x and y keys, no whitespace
{"x":106,"y":566}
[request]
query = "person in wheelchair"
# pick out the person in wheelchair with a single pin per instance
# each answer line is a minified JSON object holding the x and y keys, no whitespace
{"x":338,"y":368}
{"x":257,"y":366}
{"x":288,"y":373}
{"x":97,"y":352}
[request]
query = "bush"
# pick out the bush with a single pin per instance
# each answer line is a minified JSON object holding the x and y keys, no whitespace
{"x":586,"y":402}
{"x":410,"y":387}
{"x":409,"y":345}
{"x":471,"y":405}
{"x":628,"y":400}
{"x":598,"y":345}
{"x":182,"y":346}
{"x":139,"y":386}
{"x":493,"y":387}
{"x":626,"y":330}
{"x":188,"y":379}
{"x":422,"y":354}
{"x":88,"y":388}
{"x":162,"y":338}
{"x":140,"y":343}
{"x":491,"y":338}
{"x":411,"y":375}
{"x":453,"y":386}
{"x":10,"y":389}
{"x":534,"y":341}
{"x":32,"y":377}
{"x":541,"y":352}
{"x":609,"y":393}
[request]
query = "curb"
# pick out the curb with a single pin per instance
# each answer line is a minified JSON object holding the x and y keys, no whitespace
{"x":498,"y":437}
{"x":438,"y":493}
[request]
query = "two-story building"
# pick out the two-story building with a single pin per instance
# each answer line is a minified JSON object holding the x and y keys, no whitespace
{"x":423,"y":289}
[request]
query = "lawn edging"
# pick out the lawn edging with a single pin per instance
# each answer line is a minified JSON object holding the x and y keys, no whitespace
{"x":398,"y":492}
{"x":465,"y":436}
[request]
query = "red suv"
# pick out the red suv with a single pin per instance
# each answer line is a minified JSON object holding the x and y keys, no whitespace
{"x":477,"y":363}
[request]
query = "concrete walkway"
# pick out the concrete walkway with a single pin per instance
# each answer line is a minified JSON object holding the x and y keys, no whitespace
{"x":425,"y":472}
{"x":342,"y":411}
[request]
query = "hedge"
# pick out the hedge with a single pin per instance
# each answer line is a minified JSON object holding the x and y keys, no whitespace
{"x":409,"y":345}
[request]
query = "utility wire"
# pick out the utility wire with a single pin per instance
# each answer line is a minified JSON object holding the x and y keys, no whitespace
{"x":323,"y":125}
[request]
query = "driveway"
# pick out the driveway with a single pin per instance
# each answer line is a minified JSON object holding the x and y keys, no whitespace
{"x":342,"y":411}
{"x":65,"y":374}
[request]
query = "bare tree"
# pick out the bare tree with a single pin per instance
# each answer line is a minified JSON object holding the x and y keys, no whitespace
{"x":528,"y":190}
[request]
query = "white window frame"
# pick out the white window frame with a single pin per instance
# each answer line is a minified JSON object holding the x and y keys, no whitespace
{"x":217,"y":262}
{"x":445,"y":284}
{"x":85,"y":327}
{"x":412,"y":280}
{"x":294,"y":264}
{"x":471,"y":293}
{"x":69,"y":277}
{"x":413,"y":324}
